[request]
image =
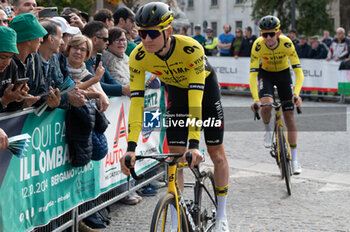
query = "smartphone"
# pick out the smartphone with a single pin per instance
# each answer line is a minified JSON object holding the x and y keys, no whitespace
{"x":98,"y":60}
{"x":66,"y":17}
{"x":48,"y":12}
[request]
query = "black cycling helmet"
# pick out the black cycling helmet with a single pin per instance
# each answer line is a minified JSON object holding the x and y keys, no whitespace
{"x":154,"y":14}
{"x":269,"y":22}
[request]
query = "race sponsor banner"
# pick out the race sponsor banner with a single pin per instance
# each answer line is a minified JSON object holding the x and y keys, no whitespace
{"x":318,"y":74}
{"x":116,"y":134}
{"x":43,"y":185}
{"x":344,"y":82}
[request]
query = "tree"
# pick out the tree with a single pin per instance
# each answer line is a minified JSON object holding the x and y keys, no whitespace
{"x":82,"y":5}
{"x":311,"y":19}
{"x":273,"y":7}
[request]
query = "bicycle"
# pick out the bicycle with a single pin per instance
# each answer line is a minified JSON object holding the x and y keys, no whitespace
{"x":197,"y":215}
{"x":280,"y":149}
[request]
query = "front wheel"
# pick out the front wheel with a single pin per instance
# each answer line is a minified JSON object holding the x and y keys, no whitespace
{"x":162,"y":216}
{"x":207,"y":202}
{"x":285,"y":163}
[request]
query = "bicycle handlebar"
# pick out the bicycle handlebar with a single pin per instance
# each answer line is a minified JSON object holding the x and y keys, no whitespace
{"x":274,"y":105}
{"x":159,"y":157}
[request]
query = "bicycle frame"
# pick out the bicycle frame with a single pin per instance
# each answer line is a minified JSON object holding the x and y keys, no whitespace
{"x":279,"y":123}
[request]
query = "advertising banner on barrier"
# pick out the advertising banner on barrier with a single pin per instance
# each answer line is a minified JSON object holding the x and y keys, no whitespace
{"x":42,"y":184}
{"x":319,"y":75}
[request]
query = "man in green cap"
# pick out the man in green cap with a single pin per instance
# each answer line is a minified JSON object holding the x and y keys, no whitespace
{"x":29,"y":36}
{"x":12,"y":92}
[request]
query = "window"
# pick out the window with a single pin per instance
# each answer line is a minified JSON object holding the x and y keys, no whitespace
{"x":239,"y":24}
{"x":239,"y":1}
{"x":214,"y":2}
{"x":190,"y":4}
{"x":214,"y":25}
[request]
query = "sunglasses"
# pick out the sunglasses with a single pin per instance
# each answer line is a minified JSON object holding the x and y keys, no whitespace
{"x":4,"y":21}
{"x":271,"y":34}
{"x":105,"y":39}
{"x":151,"y":33}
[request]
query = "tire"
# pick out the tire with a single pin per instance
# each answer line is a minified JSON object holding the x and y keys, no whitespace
{"x":162,"y":211}
{"x":206,"y":205}
{"x":285,"y":165}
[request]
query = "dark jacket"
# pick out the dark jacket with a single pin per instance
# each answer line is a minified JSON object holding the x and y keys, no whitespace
{"x":109,"y":85}
{"x":328,"y":42}
{"x":246,"y":46}
{"x":33,"y":70}
{"x":79,"y":124}
{"x":303,"y":51}
{"x":320,"y":52}
{"x":7,"y":77}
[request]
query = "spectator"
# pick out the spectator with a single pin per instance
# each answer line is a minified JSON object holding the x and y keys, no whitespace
{"x":8,"y":8}
{"x":98,"y":33}
{"x":48,"y":51}
{"x":183,"y":30}
{"x":11,"y":94}
{"x":74,"y":17}
{"x":79,"y":49}
{"x":303,"y":49}
{"x":29,"y":36}
{"x":236,"y":43}
{"x":197,"y":35}
{"x":26,"y":6}
{"x":68,"y":32}
{"x":4,"y":21}
{"x":292,"y":34}
{"x":225,"y":40}
{"x":106,"y":16}
{"x":348,"y":36}
{"x":4,"y":142}
{"x":125,"y":18}
{"x":211,"y":43}
{"x":116,"y":61}
{"x":318,"y":49}
{"x":247,"y":42}
{"x":326,"y":39}
{"x":339,"y":46}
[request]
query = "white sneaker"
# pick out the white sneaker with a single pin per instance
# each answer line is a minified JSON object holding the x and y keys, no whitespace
{"x":221,"y":225}
{"x":268,"y":139}
{"x":135,"y":195}
{"x":296,"y":168}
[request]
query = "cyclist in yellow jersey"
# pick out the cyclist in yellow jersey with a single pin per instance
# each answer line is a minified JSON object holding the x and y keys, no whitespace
{"x":193,"y":96}
{"x":269,"y":59}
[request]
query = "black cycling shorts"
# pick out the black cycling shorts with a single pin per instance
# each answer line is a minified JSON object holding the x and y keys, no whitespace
{"x":284,"y":83}
{"x":211,"y":109}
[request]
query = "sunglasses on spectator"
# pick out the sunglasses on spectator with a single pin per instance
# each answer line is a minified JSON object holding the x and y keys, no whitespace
{"x":105,"y":39}
{"x":154,"y":33}
{"x":4,"y":21}
{"x":120,"y":40}
{"x":271,"y":34}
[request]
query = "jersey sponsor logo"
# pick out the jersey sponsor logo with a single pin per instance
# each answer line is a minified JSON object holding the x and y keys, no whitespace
{"x":176,"y":71}
{"x":137,"y":94}
{"x":257,"y":47}
{"x":196,"y":86}
{"x":288,"y":45}
{"x":190,"y":50}
{"x":134,"y":70}
{"x":157,"y":73}
{"x":140,"y":55}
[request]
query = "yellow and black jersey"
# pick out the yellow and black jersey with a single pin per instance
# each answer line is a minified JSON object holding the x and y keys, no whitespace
{"x":274,"y":60}
{"x":183,"y":67}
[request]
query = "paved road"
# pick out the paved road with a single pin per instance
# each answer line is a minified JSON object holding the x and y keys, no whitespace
{"x":258,"y":200}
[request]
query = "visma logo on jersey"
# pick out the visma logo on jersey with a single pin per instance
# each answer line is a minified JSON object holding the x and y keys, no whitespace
{"x":152,"y":119}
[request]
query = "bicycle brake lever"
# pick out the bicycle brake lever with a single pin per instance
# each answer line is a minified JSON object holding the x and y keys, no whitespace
{"x":298,"y":108}
{"x":256,"y":115}
{"x":132,"y":170}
